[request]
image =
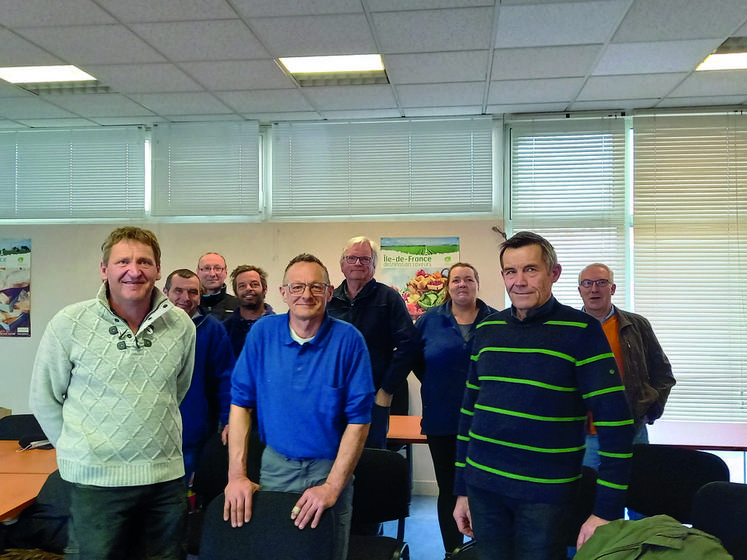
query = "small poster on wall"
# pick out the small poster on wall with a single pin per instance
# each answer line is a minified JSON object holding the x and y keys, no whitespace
{"x":15,"y":287}
{"x":417,"y":267}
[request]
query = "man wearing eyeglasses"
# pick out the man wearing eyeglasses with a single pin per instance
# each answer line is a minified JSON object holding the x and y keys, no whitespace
{"x":379,"y":312}
{"x":212,"y":272}
{"x":644,"y":368}
{"x":308,"y":376}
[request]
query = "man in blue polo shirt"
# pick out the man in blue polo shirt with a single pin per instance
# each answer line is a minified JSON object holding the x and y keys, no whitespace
{"x":309,"y":378}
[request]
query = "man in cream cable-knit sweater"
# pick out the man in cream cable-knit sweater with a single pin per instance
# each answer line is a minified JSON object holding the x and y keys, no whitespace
{"x":107,"y":381}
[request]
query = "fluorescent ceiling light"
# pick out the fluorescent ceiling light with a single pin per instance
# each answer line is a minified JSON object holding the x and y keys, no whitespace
{"x":38,"y":74}
{"x":725,"y":61}
{"x":345,"y":63}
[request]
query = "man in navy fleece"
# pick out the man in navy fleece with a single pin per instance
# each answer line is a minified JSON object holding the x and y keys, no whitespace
{"x":537,"y":368}
{"x":205,"y":406}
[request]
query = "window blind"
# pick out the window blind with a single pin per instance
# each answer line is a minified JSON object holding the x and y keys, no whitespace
{"x":206,"y":169}
{"x":689,"y":270}
{"x":567,"y":183}
{"x":406,"y":167}
{"x":64,"y":174}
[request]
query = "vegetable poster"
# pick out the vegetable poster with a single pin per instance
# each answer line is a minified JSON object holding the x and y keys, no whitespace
{"x":417,"y":267}
{"x":15,"y":286}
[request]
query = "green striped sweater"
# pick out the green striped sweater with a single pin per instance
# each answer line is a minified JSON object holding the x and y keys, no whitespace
{"x":530,"y":386}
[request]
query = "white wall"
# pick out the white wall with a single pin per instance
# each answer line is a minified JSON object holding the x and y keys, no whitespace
{"x":65,"y":269}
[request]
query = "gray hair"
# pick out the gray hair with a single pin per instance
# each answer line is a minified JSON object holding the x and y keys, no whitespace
{"x":362,"y":239}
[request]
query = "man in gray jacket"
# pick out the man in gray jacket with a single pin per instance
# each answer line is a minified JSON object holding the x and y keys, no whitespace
{"x":644,"y":368}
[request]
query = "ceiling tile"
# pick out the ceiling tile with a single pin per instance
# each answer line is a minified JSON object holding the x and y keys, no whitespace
{"x":444,"y":95}
{"x":284,"y":117}
{"x":713,"y":83}
{"x":399,"y":5}
{"x":315,"y":35}
{"x":665,"y":20}
{"x":41,"y":13}
{"x":716,"y":101}
{"x":202,"y":117}
{"x":544,"y":62}
{"x":362,"y":114}
{"x":17,"y":51}
{"x":22,"y":107}
{"x":614,"y":105}
{"x":434,"y":30}
{"x":137,"y":11}
{"x":561,"y":24}
{"x":528,"y":108}
{"x":143,"y":78}
{"x":266,"y":101}
{"x":181,"y":103}
{"x":350,"y":97}
{"x":145,"y":120}
{"x":629,"y":87}
{"x":443,"y":111}
{"x":10,"y":125}
{"x":100,"y":105}
{"x":58,"y":123}
{"x":654,"y":58}
{"x":534,"y":91}
{"x":93,"y":44}
{"x":265,"y":8}
{"x":202,"y":40}
{"x":238,"y":74}
{"x":461,"y":66}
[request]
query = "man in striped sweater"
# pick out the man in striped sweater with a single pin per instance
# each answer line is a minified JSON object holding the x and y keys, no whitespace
{"x":537,"y":369}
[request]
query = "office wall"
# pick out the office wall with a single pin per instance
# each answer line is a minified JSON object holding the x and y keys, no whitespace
{"x":65,"y":269}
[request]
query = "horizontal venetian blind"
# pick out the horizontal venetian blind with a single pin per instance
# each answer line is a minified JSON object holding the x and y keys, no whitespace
{"x":690,"y":269}
{"x":567,"y":183}
{"x":206,"y":169}
{"x":405,"y":167}
{"x":67,"y":174}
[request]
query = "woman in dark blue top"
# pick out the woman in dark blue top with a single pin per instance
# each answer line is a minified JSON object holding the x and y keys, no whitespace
{"x":446,"y":333}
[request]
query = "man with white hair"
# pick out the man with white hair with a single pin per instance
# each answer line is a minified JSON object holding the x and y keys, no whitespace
{"x":379,"y":312}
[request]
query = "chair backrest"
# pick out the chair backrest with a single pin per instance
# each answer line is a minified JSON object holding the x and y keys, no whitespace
{"x":211,"y":473}
{"x":664,"y":479}
{"x":720,"y":508}
{"x":17,"y":426}
{"x":381,"y":487}
{"x":270,"y":533}
{"x":381,"y":493}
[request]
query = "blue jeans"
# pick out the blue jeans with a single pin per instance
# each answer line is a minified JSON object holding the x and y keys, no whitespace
{"x":591,"y":455}
{"x":284,"y":474}
{"x":512,"y":529}
{"x":122,"y":523}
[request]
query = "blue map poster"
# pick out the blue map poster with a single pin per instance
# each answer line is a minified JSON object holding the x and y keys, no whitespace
{"x":15,"y":287}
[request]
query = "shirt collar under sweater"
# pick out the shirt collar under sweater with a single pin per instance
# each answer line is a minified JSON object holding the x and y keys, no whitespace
{"x":159,"y":304}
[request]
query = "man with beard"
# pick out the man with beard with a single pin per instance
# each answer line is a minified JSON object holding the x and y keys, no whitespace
{"x":250,"y":286}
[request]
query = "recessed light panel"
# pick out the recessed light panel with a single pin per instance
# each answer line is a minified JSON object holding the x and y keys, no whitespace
{"x":38,"y":74}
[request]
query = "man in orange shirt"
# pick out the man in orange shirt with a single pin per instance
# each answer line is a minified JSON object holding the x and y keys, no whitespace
{"x":644,"y":368}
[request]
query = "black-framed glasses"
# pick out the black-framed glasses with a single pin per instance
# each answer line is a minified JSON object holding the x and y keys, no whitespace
{"x":298,"y":288}
{"x":601,"y":283}
{"x":216,"y":268}
{"x":352,"y":259}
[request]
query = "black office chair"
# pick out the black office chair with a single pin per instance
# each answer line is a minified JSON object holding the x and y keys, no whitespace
{"x":664,"y":479}
{"x":269,"y":534}
{"x":16,"y":426}
{"x":211,"y":477}
{"x":720,"y":509}
{"x":381,"y":493}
